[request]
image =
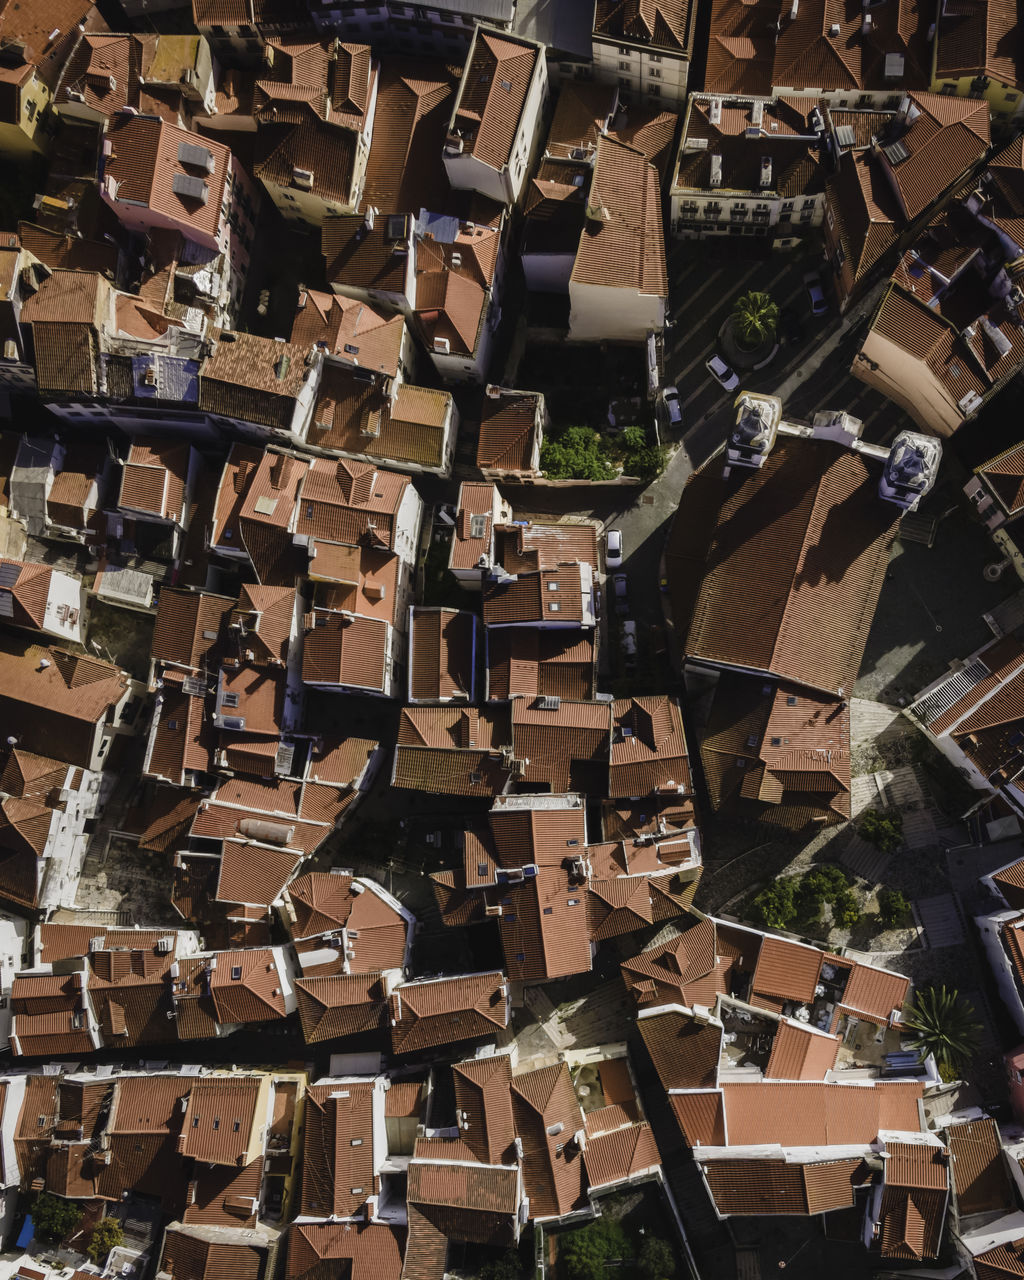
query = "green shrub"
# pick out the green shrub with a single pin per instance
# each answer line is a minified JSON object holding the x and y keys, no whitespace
{"x":845,"y":910}
{"x":106,"y":1235}
{"x":584,"y":1253}
{"x":775,"y":907}
{"x":657,"y":1261}
{"x":893,"y":908}
{"x":577,"y":453}
{"x":883,"y":829}
{"x":507,"y":1267}
{"x":53,"y":1217}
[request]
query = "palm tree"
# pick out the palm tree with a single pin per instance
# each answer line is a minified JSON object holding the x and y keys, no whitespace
{"x":945,"y":1025}
{"x":754,"y":318}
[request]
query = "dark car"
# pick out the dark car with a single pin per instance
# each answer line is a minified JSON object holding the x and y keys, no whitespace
{"x":791,"y":331}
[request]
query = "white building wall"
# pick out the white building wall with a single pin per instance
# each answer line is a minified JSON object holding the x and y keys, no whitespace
{"x":642,"y":75}
{"x":1002,"y":970}
{"x":65,"y":607}
{"x":61,"y":868}
{"x":600,"y":313}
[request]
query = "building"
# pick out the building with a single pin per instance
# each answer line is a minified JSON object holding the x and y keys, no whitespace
{"x":155,"y":175}
{"x":775,"y":745}
{"x":750,"y":167}
{"x":479,"y":511}
{"x":618,"y":289}
{"x":41,"y":599}
{"x":974,"y":55}
{"x":37,"y":39}
{"x":313,"y":109}
{"x":497,"y":110}
{"x":510,"y":435}
{"x":899,"y":167}
{"x":938,"y":345}
{"x":445,"y":650}
{"x":258,"y":386}
{"x":645,"y":50}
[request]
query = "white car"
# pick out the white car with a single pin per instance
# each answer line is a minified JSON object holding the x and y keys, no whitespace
{"x":629,"y":639}
{"x":672,"y":405}
{"x":812,"y":283}
{"x":722,"y":374}
{"x":613,"y":549}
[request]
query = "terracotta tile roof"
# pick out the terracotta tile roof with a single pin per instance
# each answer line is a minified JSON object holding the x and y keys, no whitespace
{"x":253,"y":874}
{"x":538,"y":598}
{"x":553,"y":1170}
{"x":355,"y":417}
{"x":865,"y":209}
{"x":466,"y":1201}
{"x":346,"y":650}
{"x":544,"y":928}
{"x":648,"y":747}
{"x":1009,"y":881}
{"x":259,"y":699}
{"x":482,"y":1096}
{"x":344,"y":501}
{"x":264,"y":616}
{"x":65,"y":357}
{"x":225,"y":1197}
{"x":979,"y":1172}
{"x":219,"y":1118}
{"x":181,"y":734}
{"x":1003,"y":1260}
{"x":976,"y":39}
{"x":492,"y":95}
{"x":468,"y":542}
{"x":666,"y":24}
{"x":255,"y":996}
{"x":26,"y":596}
{"x":372,"y":1250}
{"x":786,"y":970}
{"x":874,"y":993}
{"x":568,"y":747}
{"x":189,"y":1257}
{"x":1005,"y":476}
{"x":798,"y":1053}
{"x":453,"y":750}
{"x":60,"y":702}
{"x":913,"y":1201}
{"x":756,"y":1186}
{"x":340,"y":1005}
{"x":154,"y":477}
{"x":188,"y":626}
{"x":684,"y":1052}
{"x":584,"y":108}
{"x":815,"y":570}
{"x":808,"y":1114}
{"x":535,"y":663}
{"x":342,"y":323}
{"x":426,"y":1249}
{"x":650,"y":130}
{"x":777,"y":753}
{"x":450,"y":306}
{"x":442,"y":654}
{"x":257,"y":379}
{"x":691,"y":968}
{"x":405,"y":171}
{"x":338,"y":1158}
{"x":443,"y":1011}
{"x":623,"y":245}
{"x":145,"y":160}
{"x":508,"y":433}
{"x":615,"y":1157}
{"x":257,"y":492}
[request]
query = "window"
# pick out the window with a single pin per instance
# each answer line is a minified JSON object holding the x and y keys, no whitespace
{"x":236,"y":972}
{"x":236,"y":1126}
{"x":624,"y":52}
{"x":1010,"y":97}
{"x":510,"y":918}
{"x":624,"y":83}
{"x":787,"y":206}
{"x":655,"y":73}
{"x":654,"y":57}
{"x":216,"y":1122}
{"x":230,"y":700}
{"x":30,"y":110}
{"x":654,"y":90}
{"x":791,"y":701}
{"x":477,"y":526}
{"x":809,"y":203}
{"x":623,"y":66}
{"x":195,"y":1122}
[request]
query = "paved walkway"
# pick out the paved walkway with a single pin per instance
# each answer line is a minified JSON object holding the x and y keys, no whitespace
{"x":941,"y":921}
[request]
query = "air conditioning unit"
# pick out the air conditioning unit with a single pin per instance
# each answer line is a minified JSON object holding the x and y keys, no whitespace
{"x":442,"y":346}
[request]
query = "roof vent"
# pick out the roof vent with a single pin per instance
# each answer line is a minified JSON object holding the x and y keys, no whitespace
{"x":190,"y":188}
{"x":553,"y":1130}
{"x":196,"y":156}
{"x":834,"y":30}
{"x":302,"y":178}
{"x":715,"y":111}
{"x":716,"y":171}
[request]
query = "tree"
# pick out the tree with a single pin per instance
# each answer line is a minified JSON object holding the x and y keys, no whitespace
{"x":845,"y":910}
{"x":633,"y":439}
{"x":754,"y":318}
{"x":583,"y":1253}
{"x":775,"y":906}
{"x":106,"y":1235}
{"x":656,"y":1260}
{"x":576,"y":454}
{"x":883,"y":829}
{"x":53,"y":1217}
{"x":945,"y":1024}
{"x":893,"y":908}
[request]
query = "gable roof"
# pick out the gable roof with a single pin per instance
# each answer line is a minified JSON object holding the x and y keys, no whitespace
{"x":817,"y":508}
{"x":492,"y":94}
{"x":443,"y":1011}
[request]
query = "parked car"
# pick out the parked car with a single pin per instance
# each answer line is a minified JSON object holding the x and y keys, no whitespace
{"x":613,"y":548}
{"x":619,"y":591}
{"x":812,"y":283}
{"x":629,"y":639}
{"x":672,"y":406}
{"x":722,"y":374}
{"x":791,"y":329}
